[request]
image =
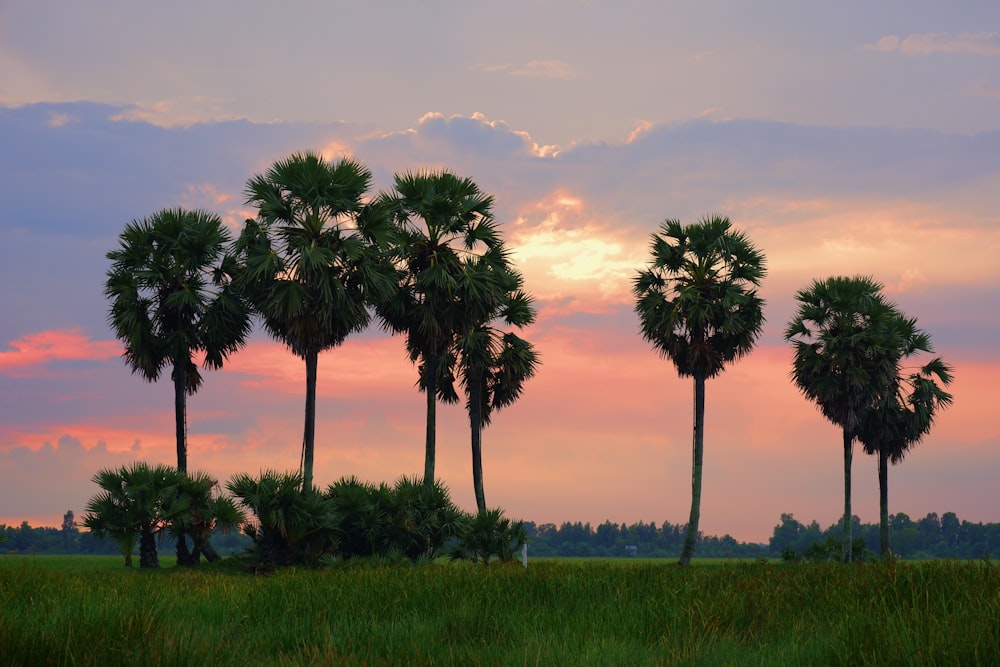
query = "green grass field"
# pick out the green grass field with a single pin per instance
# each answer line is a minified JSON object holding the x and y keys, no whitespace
{"x":92,"y":611}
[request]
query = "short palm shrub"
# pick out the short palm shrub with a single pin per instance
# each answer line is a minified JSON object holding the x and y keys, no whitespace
{"x":409,"y":519}
{"x":487,"y":535}
{"x":136,"y":500}
{"x":830,"y":550}
{"x":290,"y":526}
{"x":204,"y":511}
{"x":424,"y":518}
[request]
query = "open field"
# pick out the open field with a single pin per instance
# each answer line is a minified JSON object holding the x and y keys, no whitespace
{"x":92,"y":611}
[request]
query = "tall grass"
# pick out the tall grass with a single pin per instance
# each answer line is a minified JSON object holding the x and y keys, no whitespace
{"x":553,"y":613}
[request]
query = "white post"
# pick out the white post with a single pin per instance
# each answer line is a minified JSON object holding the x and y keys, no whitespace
{"x":524,"y":554}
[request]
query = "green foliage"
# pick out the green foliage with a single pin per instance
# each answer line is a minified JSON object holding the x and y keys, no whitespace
{"x":829,"y":551}
{"x":489,"y":534}
{"x":411,"y":519}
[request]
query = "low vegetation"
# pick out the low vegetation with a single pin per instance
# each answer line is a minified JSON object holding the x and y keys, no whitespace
{"x":57,"y":611}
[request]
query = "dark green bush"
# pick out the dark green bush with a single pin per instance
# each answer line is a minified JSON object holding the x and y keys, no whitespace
{"x":486,"y":535}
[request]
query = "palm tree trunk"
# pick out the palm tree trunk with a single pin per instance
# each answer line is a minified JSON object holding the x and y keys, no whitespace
{"x":698,"y":452}
{"x":883,"y":501}
{"x":431,"y":439}
{"x":846,"y":551}
{"x":309,"y":432}
{"x":180,"y":411}
{"x":180,"y":424}
{"x":148,"y":557}
{"x":476,"y":420}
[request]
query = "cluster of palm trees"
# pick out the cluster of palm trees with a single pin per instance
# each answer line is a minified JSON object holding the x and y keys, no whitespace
{"x":320,"y":260}
{"x":698,"y":305}
{"x":147,"y":500}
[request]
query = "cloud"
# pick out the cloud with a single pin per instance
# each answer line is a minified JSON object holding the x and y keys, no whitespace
{"x":478,"y":133}
{"x":979,"y":43}
{"x":31,"y":354}
{"x":534,"y":69}
{"x":180,"y":112}
{"x":565,"y":250}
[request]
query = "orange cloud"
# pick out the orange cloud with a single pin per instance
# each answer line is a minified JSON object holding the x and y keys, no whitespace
{"x":905,"y":245}
{"x":357,"y":366}
{"x":35,"y":350}
{"x":566,"y":250}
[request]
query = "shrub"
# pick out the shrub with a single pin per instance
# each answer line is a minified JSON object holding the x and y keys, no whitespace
{"x":489,"y":534}
{"x":292,"y":526}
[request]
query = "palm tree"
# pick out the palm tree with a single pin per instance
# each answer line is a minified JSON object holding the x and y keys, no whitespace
{"x":698,"y":305}
{"x":172,"y":297}
{"x":846,"y":348}
{"x":494,"y":367}
{"x":135,"y":500}
{"x":441,"y":218}
{"x":903,"y":415}
{"x":312,"y":262}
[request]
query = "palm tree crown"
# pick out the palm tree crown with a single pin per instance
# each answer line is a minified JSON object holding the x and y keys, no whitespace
{"x":697,"y":301}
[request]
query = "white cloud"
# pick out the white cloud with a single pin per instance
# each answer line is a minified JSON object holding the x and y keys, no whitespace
{"x":978,"y":43}
{"x":535,"y":69}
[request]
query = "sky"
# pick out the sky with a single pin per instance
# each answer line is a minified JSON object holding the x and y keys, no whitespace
{"x":845,"y":138}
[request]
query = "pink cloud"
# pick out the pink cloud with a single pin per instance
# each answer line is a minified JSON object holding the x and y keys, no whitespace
{"x":32,"y":352}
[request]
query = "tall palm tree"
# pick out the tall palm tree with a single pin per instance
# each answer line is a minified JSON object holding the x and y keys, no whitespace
{"x":171,"y":298}
{"x":312,"y":262}
{"x":443,"y":220}
{"x":171,"y":292}
{"x":698,"y":305}
{"x":846,"y":347}
{"x":903,"y":415}
{"x":494,"y":366}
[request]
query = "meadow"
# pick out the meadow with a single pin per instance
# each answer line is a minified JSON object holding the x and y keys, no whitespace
{"x":70,"y":610}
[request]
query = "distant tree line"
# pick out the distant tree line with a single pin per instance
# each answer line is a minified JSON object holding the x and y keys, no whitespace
{"x":934,"y":536}
{"x":944,"y":536}
{"x":69,"y":539}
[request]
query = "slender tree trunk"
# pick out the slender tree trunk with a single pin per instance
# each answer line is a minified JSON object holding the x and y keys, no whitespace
{"x":698,"y":451}
{"x":476,"y":421}
{"x":211,"y":555}
{"x":180,"y":411}
{"x":148,"y":557}
{"x":309,"y":432}
{"x":846,"y":548}
{"x":883,"y":502}
{"x":431,"y":439}
{"x":180,"y":424}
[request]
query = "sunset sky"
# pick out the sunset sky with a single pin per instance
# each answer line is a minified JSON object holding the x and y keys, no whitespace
{"x":844,"y":138}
